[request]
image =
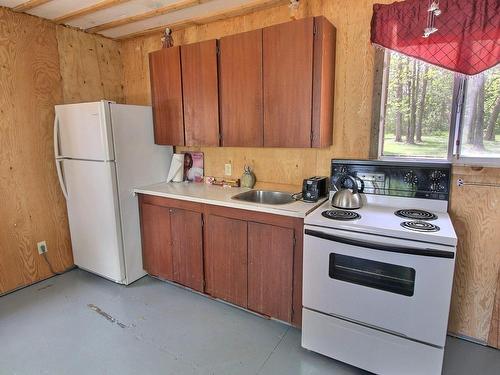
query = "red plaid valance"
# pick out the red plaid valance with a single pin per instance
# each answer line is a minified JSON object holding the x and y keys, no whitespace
{"x":467,"y":40}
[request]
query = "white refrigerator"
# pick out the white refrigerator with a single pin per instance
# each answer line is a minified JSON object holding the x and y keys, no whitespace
{"x":102,"y":151}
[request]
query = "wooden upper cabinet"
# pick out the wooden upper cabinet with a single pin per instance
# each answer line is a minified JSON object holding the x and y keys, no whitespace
{"x":166,"y":96}
{"x":156,"y":241}
{"x":288,"y":67}
{"x":323,"y":82}
{"x":200,"y":93}
{"x":240,"y":89}
{"x":271,"y":87}
{"x":226,"y":259}
{"x":298,"y":66}
{"x":270,"y":270}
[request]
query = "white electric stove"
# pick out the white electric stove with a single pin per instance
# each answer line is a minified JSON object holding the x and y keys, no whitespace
{"x":377,"y":280}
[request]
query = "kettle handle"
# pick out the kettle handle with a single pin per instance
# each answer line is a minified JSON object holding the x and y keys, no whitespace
{"x":355,"y":188}
{"x":362,"y":188}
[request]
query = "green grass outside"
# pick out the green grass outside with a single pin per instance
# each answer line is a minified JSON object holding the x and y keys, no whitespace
{"x":433,"y":146}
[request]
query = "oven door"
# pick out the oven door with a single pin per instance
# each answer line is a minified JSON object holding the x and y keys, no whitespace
{"x":398,"y":286}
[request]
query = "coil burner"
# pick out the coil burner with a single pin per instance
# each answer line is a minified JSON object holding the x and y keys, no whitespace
{"x":415,"y":214}
{"x":420,"y":226}
{"x":341,"y":215}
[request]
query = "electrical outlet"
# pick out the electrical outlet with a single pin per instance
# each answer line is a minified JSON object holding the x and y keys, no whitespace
{"x":42,"y":247}
{"x":228,"y":169}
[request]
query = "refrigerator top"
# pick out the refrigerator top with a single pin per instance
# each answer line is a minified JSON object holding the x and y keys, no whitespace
{"x":83,"y":131}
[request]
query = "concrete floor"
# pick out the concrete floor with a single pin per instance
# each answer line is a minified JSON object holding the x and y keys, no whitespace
{"x":79,"y":323}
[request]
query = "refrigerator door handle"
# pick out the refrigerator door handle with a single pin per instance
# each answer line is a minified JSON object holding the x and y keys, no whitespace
{"x":61,"y":178}
{"x":56,"y":136}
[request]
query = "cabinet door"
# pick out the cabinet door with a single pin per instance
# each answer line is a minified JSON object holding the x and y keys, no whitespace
{"x":288,"y":72}
{"x":323,"y":83}
{"x":200,"y":93}
{"x":270,"y":270}
{"x":156,"y":241}
{"x":240,"y":68}
{"x":187,"y":251}
{"x":226,"y":259}
{"x":166,"y":96}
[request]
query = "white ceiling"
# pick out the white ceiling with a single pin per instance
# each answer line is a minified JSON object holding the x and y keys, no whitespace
{"x":54,"y":9}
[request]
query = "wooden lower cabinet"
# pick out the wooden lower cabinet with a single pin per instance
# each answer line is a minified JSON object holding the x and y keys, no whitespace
{"x":156,"y":241}
{"x":172,"y":243}
{"x":270,"y":270}
{"x":247,"y":258}
{"x":226,"y":259}
{"x":187,"y":248}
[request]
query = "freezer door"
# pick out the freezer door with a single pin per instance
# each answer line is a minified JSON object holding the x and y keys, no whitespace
{"x":83,"y":131}
{"x":94,"y":217}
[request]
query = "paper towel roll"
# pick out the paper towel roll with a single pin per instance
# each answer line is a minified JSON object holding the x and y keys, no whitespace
{"x":176,"y":172}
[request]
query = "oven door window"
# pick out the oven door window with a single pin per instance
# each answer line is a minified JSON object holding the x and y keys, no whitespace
{"x":384,"y":276}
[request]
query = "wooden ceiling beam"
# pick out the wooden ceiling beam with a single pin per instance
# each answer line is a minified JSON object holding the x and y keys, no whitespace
{"x":214,"y":16}
{"x":23,"y":7}
{"x":88,"y":10}
{"x":178,"y":5}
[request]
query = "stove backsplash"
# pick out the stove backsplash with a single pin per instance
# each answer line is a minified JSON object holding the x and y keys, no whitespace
{"x":403,"y":179}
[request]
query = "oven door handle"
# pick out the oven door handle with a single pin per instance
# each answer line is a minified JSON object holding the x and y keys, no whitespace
{"x":375,"y":246}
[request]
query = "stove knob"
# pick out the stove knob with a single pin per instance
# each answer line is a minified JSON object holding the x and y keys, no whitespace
{"x":410,"y":178}
{"x":436,"y":176}
{"x":436,"y":186}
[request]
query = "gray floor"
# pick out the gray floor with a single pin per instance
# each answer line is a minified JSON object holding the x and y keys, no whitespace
{"x":78,"y":323}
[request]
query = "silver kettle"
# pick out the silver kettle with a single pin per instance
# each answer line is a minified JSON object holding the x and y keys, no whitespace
{"x":346,"y":199}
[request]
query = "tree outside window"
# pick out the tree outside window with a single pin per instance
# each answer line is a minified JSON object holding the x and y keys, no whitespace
{"x":422,"y":110}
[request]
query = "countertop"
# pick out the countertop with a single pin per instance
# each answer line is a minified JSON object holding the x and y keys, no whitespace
{"x":221,"y":196}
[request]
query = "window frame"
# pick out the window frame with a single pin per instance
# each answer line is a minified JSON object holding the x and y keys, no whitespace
{"x":456,"y":122}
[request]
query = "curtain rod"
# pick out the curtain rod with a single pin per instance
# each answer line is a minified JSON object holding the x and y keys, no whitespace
{"x":461,"y":182}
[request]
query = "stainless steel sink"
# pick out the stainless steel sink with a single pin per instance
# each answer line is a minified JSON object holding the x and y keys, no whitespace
{"x":265,"y":197}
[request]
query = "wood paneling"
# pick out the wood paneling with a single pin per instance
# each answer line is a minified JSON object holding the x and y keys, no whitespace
{"x":475,"y":212}
{"x":101,"y":5}
{"x":287,"y":70}
{"x":323,"y":82}
{"x":494,"y":334}
{"x":30,"y":4}
{"x":187,"y":247}
{"x":200,"y":93}
{"x":240,"y":85}
{"x":32,"y":207}
{"x":156,"y":241}
{"x":166,"y":92}
{"x":91,"y":67}
{"x":270,"y":270}
{"x":178,"y":5}
{"x":205,"y":18}
{"x":226,"y":259}
{"x":354,"y":75}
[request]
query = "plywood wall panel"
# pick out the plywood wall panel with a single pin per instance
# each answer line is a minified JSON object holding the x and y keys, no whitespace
{"x":91,"y":67}
{"x":475,"y":212}
{"x":32,"y":207}
{"x":494,"y":335}
{"x":353,"y":89}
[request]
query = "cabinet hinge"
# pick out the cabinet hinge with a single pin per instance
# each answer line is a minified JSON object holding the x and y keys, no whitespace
{"x":202,"y":222}
{"x":294,"y":241}
{"x":220,"y":136}
{"x":312,"y":136}
{"x":315,"y":29}
{"x":217,"y":50}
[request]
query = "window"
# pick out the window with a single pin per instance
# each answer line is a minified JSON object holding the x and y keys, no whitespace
{"x":429,"y":112}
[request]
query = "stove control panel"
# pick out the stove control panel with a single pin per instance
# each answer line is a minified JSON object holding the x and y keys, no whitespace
{"x":403,"y":179}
